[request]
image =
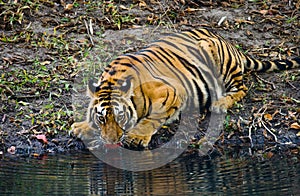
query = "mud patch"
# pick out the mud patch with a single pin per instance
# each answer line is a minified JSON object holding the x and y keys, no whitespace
{"x":44,"y":44}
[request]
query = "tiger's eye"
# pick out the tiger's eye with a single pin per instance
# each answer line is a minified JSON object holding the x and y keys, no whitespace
{"x":101,"y":119}
{"x":120,"y":117}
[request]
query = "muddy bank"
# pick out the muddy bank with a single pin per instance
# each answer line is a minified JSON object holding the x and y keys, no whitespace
{"x":44,"y":44}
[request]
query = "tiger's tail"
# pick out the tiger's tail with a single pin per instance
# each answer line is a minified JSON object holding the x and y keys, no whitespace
{"x":268,"y":66}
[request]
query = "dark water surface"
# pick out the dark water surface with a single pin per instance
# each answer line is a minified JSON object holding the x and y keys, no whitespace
{"x":83,"y":174}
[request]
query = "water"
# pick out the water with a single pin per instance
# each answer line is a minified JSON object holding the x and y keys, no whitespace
{"x":83,"y":174}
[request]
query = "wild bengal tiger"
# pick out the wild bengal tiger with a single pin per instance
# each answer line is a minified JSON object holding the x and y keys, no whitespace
{"x":138,"y":93}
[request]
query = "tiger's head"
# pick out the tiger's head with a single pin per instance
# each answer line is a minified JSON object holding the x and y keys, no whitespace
{"x":111,"y":109}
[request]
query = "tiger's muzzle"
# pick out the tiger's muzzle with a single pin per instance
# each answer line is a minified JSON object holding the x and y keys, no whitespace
{"x":111,"y":132}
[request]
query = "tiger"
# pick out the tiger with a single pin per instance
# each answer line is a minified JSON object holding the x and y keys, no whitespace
{"x":140,"y":92}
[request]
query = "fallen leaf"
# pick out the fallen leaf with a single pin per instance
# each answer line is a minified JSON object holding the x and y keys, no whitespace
{"x":257,"y":99}
{"x":295,"y":126}
{"x":123,"y":7}
{"x":265,"y":134}
{"x":289,"y":52}
{"x":68,"y":7}
{"x":263,"y":12}
{"x":193,"y":9}
{"x":225,"y":4}
{"x":23,"y":103}
{"x":45,"y":63}
{"x":269,"y":155}
{"x":42,"y":137}
{"x":268,"y":117}
{"x":142,"y":4}
{"x":295,"y":151}
{"x":11,"y":150}
{"x":35,"y":155}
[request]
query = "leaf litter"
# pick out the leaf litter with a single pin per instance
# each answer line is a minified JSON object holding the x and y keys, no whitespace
{"x":43,"y":42}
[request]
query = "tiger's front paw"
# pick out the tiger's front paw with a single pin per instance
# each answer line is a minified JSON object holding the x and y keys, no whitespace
{"x":82,"y":130}
{"x":135,"y":141}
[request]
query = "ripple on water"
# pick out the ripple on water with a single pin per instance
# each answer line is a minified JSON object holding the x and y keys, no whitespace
{"x":83,"y":174}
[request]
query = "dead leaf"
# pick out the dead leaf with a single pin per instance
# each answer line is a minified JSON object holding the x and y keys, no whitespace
{"x":11,"y":150}
{"x":263,"y":12}
{"x":225,"y":4}
{"x":269,"y":155}
{"x":193,"y":9}
{"x":295,"y":126}
{"x":268,"y":117}
{"x":265,"y":133}
{"x":68,"y":7}
{"x":142,"y":4}
{"x":240,"y":21}
{"x":43,"y":138}
{"x":292,"y":115}
{"x":289,"y":52}
{"x":249,"y":33}
{"x":35,"y":155}
{"x":123,"y":7}
{"x":257,"y":99}
{"x":45,"y":63}
{"x":295,"y":151}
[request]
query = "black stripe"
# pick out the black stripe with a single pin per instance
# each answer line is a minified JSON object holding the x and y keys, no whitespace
{"x":134,"y":105}
{"x":195,"y":33}
{"x":281,"y":65}
{"x":297,"y":59}
{"x":208,"y":75}
{"x":153,"y":69}
{"x":266,"y":66}
{"x":126,"y":64}
{"x":184,"y":37}
{"x":168,"y":43}
{"x":199,"y":75}
{"x":180,"y":72}
{"x":256,"y":64}
{"x":200,"y":95}
{"x":204,"y":32}
{"x":166,"y":99}
{"x":154,"y":63}
{"x":221,"y":55}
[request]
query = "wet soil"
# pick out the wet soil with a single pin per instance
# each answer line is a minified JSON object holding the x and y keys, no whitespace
{"x":44,"y":45}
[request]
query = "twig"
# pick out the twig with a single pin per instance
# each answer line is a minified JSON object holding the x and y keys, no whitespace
{"x":265,"y":81}
{"x":275,"y":137}
{"x":7,"y":88}
{"x":258,"y":118}
{"x":250,"y":133}
{"x":291,"y":85}
{"x":89,"y":29}
{"x":253,"y":125}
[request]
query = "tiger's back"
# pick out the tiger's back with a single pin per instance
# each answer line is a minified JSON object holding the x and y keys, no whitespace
{"x":138,"y":93}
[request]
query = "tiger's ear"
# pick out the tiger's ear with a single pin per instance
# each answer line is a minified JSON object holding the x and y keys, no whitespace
{"x":126,"y":84}
{"x":92,"y":89}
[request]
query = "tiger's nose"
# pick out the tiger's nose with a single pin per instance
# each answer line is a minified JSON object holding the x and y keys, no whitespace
{"x":111,"y":134}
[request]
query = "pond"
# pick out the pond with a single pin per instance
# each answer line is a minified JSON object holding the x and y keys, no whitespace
{"x":83,"y":174}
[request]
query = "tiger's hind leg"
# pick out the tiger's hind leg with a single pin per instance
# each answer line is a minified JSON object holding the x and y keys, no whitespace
{"x":234,"y":95}
{"x":235,"y":90}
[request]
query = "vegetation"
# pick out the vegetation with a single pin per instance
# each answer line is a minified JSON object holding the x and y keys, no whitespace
{"x":45,"y":44}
